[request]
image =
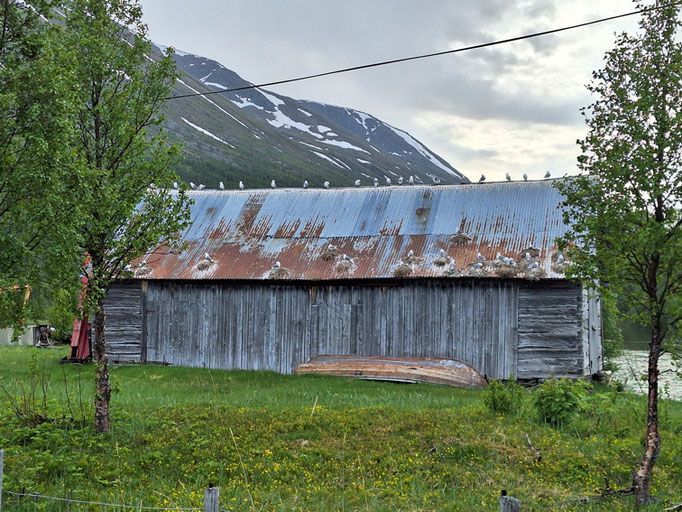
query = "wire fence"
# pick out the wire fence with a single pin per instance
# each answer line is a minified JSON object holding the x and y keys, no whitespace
{"x":211,"y":498}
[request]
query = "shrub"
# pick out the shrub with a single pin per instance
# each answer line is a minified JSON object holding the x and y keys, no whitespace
{"x":556,"y":401}
{"x":499,"y":397}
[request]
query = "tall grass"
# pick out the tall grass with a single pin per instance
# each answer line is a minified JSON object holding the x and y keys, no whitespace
{"x":311,"y":443}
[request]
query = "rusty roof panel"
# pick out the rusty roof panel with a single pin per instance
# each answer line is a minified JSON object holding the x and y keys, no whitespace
{"x":246,"y":232}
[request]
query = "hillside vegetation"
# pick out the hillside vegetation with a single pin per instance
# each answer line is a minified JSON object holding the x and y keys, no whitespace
{"x":273,"y":442}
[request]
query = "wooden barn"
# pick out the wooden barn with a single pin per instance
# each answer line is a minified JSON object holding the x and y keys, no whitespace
{"x":271,"y":278}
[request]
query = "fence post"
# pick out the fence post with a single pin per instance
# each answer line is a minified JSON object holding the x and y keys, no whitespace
{"x":509,"y":504}
{"x":2,"y":467}
{"x":211,"y":498}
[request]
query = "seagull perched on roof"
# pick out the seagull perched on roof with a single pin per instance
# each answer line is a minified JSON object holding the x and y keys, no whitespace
{"x":376,"y":182}
{"x":175,"y":185}
{"x":201,"y":186}
{"x":482,"y":178}
{"x":128,"y":268}
{"x":452,"y":266}
{"x":442,"y":252}
{"x":143,"y":263}
{"x":508,"y":177}
{"x":305,"y":184}
{"x":436,"y":180}
{"x":410,"y":180}
{"x":410,"y":253}
{"x":347,"y":258}
{"x":331,"y":247}
{"x":208,"y":258}
{"x":326,"y":184}
{"x":357,"y":183}
{"x":477,"y":265}
{"x":527,"y":256}
{"x":533,"y":265}
{"x":241,"y":185}
{"x":276,"y":265}
{"x":547,"y":175}
{"x":388,"y":181}
{"x":560,"y":258}
{"x":525,"y":177}
{"x":508,"y":261}
{"x":273,"y":184}
{"x":221,"y":185}
{"x":192,"y":186}
{"x":400,"y":180}
{"x":480,"y":256}
{"x":499,"y":256}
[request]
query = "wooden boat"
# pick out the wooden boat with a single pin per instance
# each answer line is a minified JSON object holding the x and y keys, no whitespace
{"x":447,"y":372}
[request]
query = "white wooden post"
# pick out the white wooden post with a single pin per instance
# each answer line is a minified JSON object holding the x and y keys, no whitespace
{"x":509,"y":504}
{"x":211,"y":499}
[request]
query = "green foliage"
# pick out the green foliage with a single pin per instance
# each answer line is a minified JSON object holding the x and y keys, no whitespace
{"x":557,"y":401}
{"x":39,"y":171}
{"x":503,"y":398}
{"x":129,"y":171}
{"x":612,"y":333}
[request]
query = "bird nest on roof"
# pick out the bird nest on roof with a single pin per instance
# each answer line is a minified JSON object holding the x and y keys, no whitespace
{"x":412,"y":260}
{"x":506,"y":271}
{"x":441,"y":261}
{"x":278,"y":273}
{"x":204,"y":265}
{"x":330,"y":253}
{"x":142,"y":271}
{"x":402,"y":270}
{"x":460,"y":238}
{"x":343,"y":266}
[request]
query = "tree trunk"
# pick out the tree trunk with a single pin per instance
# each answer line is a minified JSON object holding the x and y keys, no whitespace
{"x":102,"y":385}
{"x":641,"y":478}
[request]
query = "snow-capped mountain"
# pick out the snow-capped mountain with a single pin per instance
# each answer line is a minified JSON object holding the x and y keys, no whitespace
{"x":255,"y":135}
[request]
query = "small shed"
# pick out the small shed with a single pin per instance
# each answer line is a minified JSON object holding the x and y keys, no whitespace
{"x":271,"y":278}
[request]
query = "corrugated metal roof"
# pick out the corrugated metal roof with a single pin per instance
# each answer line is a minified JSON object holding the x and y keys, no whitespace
{"x":246,"y":231}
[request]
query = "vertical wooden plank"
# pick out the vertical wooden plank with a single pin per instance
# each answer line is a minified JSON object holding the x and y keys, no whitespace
{"x":211,"y":499}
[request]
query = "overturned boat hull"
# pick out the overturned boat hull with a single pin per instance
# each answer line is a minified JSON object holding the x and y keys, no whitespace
{"x":446,"y":372}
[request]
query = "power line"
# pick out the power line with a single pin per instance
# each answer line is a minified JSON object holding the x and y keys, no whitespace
{"x":417,"y":57}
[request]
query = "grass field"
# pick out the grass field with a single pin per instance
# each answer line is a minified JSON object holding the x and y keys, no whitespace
{"x":273,"y":442}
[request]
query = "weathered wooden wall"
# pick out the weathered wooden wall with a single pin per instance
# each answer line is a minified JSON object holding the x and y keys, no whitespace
{"x":530,"y":330}
{"x":124,"y":326}
{"x":550,"y":331}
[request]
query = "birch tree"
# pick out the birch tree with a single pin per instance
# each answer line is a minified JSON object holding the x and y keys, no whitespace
{"x":126,"y":190}
{"x":625,"y":209}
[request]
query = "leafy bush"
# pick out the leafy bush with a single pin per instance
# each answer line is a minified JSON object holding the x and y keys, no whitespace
{"x":613,"y":334}
{"x":557,"y":400}
{"x":499,"y":397}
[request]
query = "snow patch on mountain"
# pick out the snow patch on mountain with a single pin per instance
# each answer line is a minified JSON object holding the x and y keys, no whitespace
{"x":213,"y":103}
{"x":206,"y":132}
{"x":244,"y":102}
{"x":327,"y":158}
{"x":423,"y":151}
{"x":323,"y":129}
{"x":310,"y":145}
{"x":271,"y":98}
{"x":343,"y":144}
{"x":281,"y":120}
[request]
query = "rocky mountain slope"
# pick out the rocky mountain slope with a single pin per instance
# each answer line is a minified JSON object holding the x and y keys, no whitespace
{"x":255,"y":136}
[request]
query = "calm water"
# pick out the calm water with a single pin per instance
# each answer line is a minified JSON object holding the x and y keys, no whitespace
{"x":633,"y":365}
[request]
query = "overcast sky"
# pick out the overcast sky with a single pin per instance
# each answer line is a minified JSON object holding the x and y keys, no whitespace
{"x":513,"y":108}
